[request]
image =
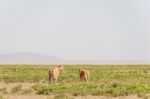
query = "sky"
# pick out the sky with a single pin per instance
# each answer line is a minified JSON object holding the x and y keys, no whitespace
{"x":77,"y":29}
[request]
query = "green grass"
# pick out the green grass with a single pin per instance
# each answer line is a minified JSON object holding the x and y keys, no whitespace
{"x":110,"y":80}
{"x":62,"y":96}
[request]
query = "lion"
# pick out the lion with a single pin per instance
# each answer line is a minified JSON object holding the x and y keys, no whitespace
{"x":84,"y":74}
{"x":54,"y":73}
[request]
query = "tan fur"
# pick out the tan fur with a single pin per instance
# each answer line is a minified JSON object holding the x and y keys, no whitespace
{"x":54,"y":73}
{"x":84,"y":74}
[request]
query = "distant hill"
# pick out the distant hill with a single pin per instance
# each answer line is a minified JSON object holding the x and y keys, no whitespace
{"x":28,"y":58}
{"x":37,"y":58}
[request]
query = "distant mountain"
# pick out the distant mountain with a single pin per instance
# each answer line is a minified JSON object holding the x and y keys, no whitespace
{"x":28,"y":58}
{"x":37,"y":58}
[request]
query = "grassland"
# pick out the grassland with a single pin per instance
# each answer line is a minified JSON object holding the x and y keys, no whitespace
{"x":105,"y":80}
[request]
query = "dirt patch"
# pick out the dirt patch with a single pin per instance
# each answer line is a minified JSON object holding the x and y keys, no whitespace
{"x":77,"y":97}
{"x":104,"y":97}
{"x":26,"y":96}
{"x":9,"y":86}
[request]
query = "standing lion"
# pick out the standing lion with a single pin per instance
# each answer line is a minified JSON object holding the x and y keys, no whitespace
{"x":84,"y":74}
{"x":54,"y":73}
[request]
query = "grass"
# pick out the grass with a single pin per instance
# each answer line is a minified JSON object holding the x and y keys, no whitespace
{"x":1,"y":97}
{"x":3,"y":91}
{"x":27,"y":91}
{"x":63,"y":96}
{"x":16,"y":89}
{"x":108,"y":80}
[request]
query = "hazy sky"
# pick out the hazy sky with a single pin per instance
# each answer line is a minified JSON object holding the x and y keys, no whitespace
{"x":77,"y":29}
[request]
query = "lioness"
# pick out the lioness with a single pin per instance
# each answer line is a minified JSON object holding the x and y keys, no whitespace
{"x":84,"y":74}
{"x":54,"y":73}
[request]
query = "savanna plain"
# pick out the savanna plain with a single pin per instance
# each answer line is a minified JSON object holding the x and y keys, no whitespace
{"x":106,"y":82}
